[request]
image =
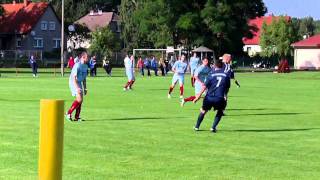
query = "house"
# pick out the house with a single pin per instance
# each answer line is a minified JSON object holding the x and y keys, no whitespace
{"x":252,"y":45}
{"x":29,"y":26}
{"x":307,"y":53}
{"x":94,"y":21}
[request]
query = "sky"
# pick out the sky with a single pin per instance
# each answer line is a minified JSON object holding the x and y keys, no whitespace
{"x":294,"y":8}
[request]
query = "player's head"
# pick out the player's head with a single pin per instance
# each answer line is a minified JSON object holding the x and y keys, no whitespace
{"x":84,"y":57}
{"x":183,"y":57}
{"x":205,"y":61}
{"x":218,"y":64}
{"x":194,"y":54}
{"x":226,"y":58}
{"x":132,"y":57}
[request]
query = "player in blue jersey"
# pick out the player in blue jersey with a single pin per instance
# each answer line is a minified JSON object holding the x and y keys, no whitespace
{"x":201,"y":73}
{"x":227,"y":60}
{"x":179,"y":69}
{"x":78,"y":85}
{"x":129,"y":67}
{"x":193,"y":64}
{"x":217,"y":86}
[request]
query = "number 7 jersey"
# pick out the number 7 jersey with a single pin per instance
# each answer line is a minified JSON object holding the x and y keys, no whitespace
{"x":218,"y":84}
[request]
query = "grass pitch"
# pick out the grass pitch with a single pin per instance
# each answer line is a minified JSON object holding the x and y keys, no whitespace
{"x":271,"y":130}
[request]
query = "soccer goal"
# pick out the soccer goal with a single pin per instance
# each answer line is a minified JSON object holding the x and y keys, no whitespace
{"x":170,"y":53}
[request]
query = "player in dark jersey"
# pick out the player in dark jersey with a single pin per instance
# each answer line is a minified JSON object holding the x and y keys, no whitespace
{"x":217,"y":86}
{"x":227,"y":61}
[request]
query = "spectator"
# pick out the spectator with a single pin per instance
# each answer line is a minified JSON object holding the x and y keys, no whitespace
{"x":167,"y":68}
{"x":70,"y":62}
{"x":93,"y":66}
{"x":34,"y":65}
{"x":107,"y":66}
{"x":146,"y":63}
{"x":162,"y":67}
{"x":154,"y":65}
{"x":140,"y":65}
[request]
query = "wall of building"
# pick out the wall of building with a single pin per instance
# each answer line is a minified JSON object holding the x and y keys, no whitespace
{"x":47,"y":35}
{"x":307,"y":58}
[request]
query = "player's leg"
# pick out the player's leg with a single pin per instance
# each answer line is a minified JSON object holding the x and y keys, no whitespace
{"x":220,"y":106}
{"x":181,"y":83}
{"x":76,"y":103}
{"x":78,"y":110}
{"x":133,"y":79}
{"x":206,"y":106}
{"x":129,"y":80}
{"x":173,"y":84}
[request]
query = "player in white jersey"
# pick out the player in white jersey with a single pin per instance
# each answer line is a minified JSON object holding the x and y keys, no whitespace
{"x":200,"y":74}
{"x":78,"y":85}
{"x":129,"y":67}
{"x":179,"y":68}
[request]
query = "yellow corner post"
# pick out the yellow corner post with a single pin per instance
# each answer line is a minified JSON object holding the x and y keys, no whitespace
{"x":51,"y":139}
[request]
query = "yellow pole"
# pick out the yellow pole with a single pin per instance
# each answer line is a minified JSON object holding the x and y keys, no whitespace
{"x":51,"y":139}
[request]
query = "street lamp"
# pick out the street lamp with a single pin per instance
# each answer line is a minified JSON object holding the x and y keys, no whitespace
{"x":62,"y":39}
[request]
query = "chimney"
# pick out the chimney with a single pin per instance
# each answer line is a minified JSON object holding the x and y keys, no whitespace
{"x":26,"y":3}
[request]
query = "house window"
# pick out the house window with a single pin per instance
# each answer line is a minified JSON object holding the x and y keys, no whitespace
{"x":56,"y":43}
{"x":52,"y":26}
{"x":19,"y":43}
{"x":44,"y":25}
{"x":38,"y":43}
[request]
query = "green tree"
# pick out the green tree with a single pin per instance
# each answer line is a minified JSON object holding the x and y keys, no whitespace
{"x":276,"y":39}
{"x":104,"y":42}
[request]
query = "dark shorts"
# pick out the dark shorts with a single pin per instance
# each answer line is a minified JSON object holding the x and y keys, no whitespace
{"x":215,"y":103}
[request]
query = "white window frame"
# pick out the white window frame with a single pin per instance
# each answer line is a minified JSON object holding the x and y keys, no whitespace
{"x":52,"y":28}
{"x":44,"y":25}
{"x":17,"y":42}
{"x":56,"y":44}
{"x":37,"y":43}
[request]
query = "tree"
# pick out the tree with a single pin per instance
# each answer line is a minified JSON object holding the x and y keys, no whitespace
{"x":276,"y":39}
{"x":79,"y":35}
{"x":104,"y":42}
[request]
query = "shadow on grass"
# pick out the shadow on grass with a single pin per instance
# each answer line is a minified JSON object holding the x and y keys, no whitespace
{"x":20,"y":100}
{"x":135,"y":118}
{"x":271,"y":130}
{"x":250,"y":109}
{"x":266,"y":114}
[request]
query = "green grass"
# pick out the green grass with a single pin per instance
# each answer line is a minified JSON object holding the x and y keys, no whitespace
{"x":271,"y":130}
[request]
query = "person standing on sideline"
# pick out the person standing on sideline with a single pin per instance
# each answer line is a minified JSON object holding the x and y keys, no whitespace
{"x":179,"y":69}
{"x":34,"y":65}
{"x":217,"y":86}
{"x":194,"y":61}
{"x":78,"y":86}
{"x":154,"y":65}
{"x":107,"y":66}
{"x":166,"y":62}
{"x":140,"y":66}
{"x":129,"y":67}
{"x":146,"y":63}
{"x":201,"y":74}
{"x":162,"y":67}
{"x":93,"y":66}
{"x":70,"y":62}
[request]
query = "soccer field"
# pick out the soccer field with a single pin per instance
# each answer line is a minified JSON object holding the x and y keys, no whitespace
{"x":271,"y":130}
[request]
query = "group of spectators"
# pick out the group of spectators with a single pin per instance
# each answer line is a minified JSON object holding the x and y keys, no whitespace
{"x":151,"y":63}
{"x":92,"y":64}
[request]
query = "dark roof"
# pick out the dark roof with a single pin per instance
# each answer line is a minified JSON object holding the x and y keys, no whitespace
{"x":96,"y":20}
{"x":313,"y":41}
{"x":21,"y":19}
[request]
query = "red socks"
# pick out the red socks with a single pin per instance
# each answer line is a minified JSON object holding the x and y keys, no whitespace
{"x":74,"y":106}
{"x":191,"y":98}
{"x":170,"y":89}
{"x":78,"y":111}
{"x":128,"y":84}
{"x":181,"y":90}
{"x":131,"y":83}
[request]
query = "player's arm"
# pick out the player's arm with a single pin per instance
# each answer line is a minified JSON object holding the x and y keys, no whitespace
{"x":76,"y":85}
{"x":173,"y":69}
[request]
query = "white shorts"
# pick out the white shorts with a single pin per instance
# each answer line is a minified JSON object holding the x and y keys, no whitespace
{"x":130,"y":75}
{"x":179,"y":78}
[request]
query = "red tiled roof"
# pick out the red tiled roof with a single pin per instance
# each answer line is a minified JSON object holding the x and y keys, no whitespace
{"x":98,"y":20}
{"x":20,"y":19}
{"x":257,"y":24}
{"x":313,"y":41}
